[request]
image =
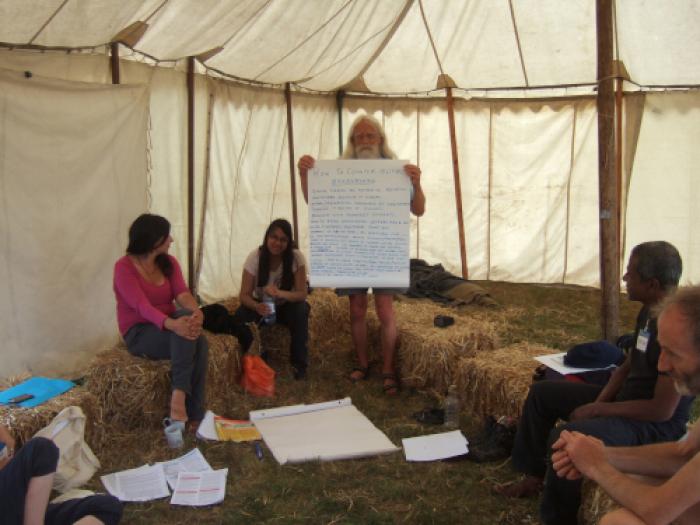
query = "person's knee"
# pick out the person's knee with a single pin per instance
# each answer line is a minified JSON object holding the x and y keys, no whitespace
{"x":620,"y":517}
{"x":105,"y":508}
{"x":385,"y":309}
{"x":358,"y":307}
{"x":44,"y":455}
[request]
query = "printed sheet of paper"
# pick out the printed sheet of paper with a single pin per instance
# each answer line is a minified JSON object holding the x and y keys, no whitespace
{"x":139,"y":484}
{"x":359,"y":223}
{"x":193,"y":461}
{"x":556,"y":363}
{"x":435,"y":446}
{"x":207,"y":429}
{"x":323,"y":431}
{"x":200,"y":488}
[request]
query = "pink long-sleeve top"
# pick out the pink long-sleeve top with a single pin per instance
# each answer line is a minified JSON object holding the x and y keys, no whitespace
{"x":139,"y":301}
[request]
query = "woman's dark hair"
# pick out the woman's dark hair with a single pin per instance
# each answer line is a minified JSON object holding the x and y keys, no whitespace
{"x":287,"y":256}
{"x":146,"y":233}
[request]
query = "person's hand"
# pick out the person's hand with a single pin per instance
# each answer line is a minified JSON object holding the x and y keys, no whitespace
{"x":262,"y":309}
{"x":561,"y":462}
{"x":272,"y":290}
{"x":197,"y":317}
{"x":413,"y":173}
{"x":305,"y":164}
{"x":184,"y":326}
{"x":585,"y":453}
{"x":587,"y":411}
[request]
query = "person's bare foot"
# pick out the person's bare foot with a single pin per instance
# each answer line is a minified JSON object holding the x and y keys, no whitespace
{"x":193,"y":425}
{"x":178,"y":412}
{"x":527,"y":487}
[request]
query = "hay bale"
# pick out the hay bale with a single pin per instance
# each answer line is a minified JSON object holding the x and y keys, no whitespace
{"x":25,"y":422}
{"x":497,"y":382}
{"x":595,"y":503}
{"x":427,"y":354}
{"x":135,"y":392}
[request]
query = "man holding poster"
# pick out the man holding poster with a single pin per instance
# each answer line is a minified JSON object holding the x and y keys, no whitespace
{"x":367,"y":141}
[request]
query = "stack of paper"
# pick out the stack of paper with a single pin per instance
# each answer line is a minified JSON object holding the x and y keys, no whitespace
{"x":321,"y":431}
{"x":200,"y":488}
{"x":190,"y":476}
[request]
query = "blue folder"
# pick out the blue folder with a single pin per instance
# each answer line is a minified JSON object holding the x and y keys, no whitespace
{"x":42,"y":388}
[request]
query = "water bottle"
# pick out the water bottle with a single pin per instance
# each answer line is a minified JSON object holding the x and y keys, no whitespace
{"x":451,"y":408}
{"x":272,"y":316}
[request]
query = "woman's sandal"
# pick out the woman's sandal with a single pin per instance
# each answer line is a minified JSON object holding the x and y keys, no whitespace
{"x":359,"y":373}
{"x":390,"y":384}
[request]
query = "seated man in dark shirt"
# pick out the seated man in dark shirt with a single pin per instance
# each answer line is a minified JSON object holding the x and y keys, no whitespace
{"x":637,"y":406}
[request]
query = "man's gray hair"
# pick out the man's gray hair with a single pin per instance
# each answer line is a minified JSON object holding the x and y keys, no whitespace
{"x":659,"y":260}
{"x":384,"y":149}
{"x":687,"y":300}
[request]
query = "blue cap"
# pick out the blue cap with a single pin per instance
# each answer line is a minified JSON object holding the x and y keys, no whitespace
{"x":596,"y":354}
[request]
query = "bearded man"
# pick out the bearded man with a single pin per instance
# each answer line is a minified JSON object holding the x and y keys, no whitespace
{"x":654,"y":484}
{"x":367,"y":140}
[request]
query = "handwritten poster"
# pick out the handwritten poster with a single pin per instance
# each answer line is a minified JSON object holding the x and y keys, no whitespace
{"x":359,"y":222}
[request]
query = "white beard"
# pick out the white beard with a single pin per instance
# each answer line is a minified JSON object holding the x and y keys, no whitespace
{"x":368,"y":152}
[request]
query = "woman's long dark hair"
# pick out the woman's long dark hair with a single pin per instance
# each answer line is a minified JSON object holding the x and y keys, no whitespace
{"x":287,"y":256}
{"x":146,"y":233}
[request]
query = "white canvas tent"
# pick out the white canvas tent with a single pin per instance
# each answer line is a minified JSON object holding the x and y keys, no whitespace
{"x":81,"y":156}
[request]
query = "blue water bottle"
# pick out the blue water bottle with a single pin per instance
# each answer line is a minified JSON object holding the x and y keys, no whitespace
{"x":272,"y":316}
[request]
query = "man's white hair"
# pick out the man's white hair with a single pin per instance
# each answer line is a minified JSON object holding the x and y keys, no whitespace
{"x":384,"y":149}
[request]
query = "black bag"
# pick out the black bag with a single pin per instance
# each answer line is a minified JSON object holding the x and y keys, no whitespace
{"x":217,"y":319}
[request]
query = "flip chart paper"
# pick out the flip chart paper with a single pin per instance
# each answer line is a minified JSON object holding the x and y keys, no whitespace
{"x":359,"y":223}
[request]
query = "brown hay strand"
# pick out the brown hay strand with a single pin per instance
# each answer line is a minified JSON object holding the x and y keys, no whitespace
{"x":496,"y":383}
{"x":595,"y":502}
{"x":427,"y":354}
{"x":25,"y":422}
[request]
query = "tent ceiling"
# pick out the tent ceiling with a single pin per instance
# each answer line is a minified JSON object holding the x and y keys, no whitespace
{"x":326,"y":44}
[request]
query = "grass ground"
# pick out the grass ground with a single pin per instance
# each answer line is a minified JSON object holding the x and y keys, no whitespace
{"x":377,"y":490}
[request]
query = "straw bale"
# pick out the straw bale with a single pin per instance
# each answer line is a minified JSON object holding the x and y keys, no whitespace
{"x":25,"y":422}
{"x":497,"y":382}
{"x":135,"y":392}
{"x":427,"y":354}
{"x":595,"y":502}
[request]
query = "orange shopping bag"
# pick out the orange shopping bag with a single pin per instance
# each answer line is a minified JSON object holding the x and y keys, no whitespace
{"x":258,"y":378}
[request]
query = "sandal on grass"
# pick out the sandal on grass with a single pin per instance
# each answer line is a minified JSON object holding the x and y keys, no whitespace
{"x":391,"y":384}
{"x":359,"y":373}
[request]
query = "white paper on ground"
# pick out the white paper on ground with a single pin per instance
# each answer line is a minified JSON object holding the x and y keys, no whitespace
{"x":556,"y":363}
{"x":324,"y":431}
{"x":139,"y":484}
{"x":200,"y":488}
{"x":191,"y":462}
{"x":293,"y":410}
{"x":207,"y":428}
{"x":435,"y":446}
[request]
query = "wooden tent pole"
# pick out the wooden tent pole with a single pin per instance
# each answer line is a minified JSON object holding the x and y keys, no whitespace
{"x":607,"y":187}
{"x":292,"y":174}
{"x":339,"y":96}
{"x":458,"y":187}
{"x":618,"y":162}
{"x":190,"y":174}
{"x":114,"y":62}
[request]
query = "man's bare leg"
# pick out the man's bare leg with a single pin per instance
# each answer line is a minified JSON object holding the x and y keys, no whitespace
{"x":358,"y":330}
{"x":384,"y":305}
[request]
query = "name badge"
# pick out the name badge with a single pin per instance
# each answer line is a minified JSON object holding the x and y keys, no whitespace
{"x":643,"y":340}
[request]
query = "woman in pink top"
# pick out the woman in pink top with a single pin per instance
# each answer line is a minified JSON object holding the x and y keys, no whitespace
{"x":147,"y":282}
